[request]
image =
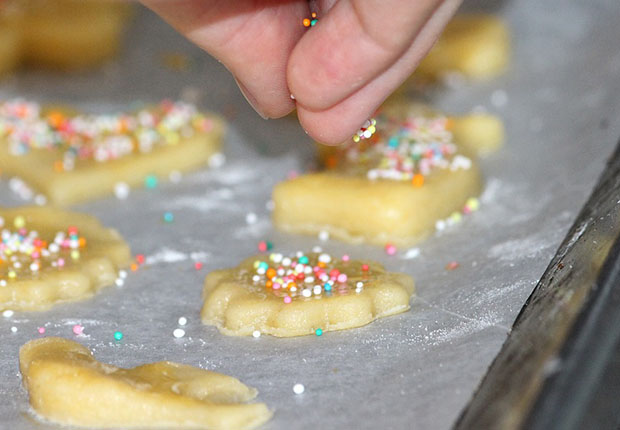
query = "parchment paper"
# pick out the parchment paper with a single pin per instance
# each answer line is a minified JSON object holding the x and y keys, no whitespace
{"x":560,"y":102}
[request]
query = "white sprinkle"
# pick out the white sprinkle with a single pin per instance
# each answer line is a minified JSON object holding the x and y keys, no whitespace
{"x":499,"y":98}
{"x":119,"y":282}
{"x":317,"y":289}
{"x":182,"y":321}
{"x":251,"y":218}
{"x":323,"y":235}
{"x":359,"y":284}
{"x":217,"y":160}
{"x":299,"y":388}
{"x":256,"y":333}
{"x":292,"y":97}
{"x":317,"y":249}
{"x":175,"y":176}
{"x":121,"y":190}
{"x":8,"y":313}
{"x":2,"y":283}
{"x":13,"y":329}
{"x":178,"y":333}
{"x":122,"y":274}
{"x":40,"y":200}
{"x":306,"y":292}
{"x":440,"y":225}
{"x":411,"y":253}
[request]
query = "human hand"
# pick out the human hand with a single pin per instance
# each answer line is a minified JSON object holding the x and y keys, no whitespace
{"x":339,"y":70}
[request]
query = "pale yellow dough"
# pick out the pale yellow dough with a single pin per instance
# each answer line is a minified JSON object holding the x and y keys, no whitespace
{"x":105,"y":253}
{"x":91,"y":179}
{"x":68,"y":386}
{"x":356,"y":209}
{"x":478,"y":46}
{"x":237,"y":306}
{"x":61,"y":34}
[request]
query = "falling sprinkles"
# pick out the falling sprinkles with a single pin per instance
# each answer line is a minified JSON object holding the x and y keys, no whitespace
{"x":100,"y":138}
{"x":407,"y":150}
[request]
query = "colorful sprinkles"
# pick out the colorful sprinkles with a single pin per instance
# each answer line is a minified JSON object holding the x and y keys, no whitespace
{"x":310,"y":22}
{"x":100,"y":138}
{"x":301,"y":276}
{"x":407,"y":150}
{"x":24,"y":253}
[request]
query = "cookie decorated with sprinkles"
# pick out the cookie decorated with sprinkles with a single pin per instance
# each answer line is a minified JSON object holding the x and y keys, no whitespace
{"x":68,"y":386}
{"x":391,"y":187}
{"x":49,"y":256}
{"x":69,"y":158}
{"x":302,"y":294}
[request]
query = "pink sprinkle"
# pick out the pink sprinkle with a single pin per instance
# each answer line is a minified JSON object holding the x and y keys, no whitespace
{"x":78,"y":329}
{"x":41,"y":330}
{"x":198,"y":265}
{"x":292,"y":174}
{"x":466,"y":210}
{"x":345,"y":257}
{"x":61,"y":262}
{"x":287,"y":299}
{"x":276,"y":286}
{"x":262,"y":246}
{"x":390,"y":249}
{"x":342,"y":277}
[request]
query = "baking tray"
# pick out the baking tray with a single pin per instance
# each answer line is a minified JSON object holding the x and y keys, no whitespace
{"x":560,"y":102}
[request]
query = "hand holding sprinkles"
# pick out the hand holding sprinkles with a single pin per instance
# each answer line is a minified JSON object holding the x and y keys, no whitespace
{"x":301,"y":294}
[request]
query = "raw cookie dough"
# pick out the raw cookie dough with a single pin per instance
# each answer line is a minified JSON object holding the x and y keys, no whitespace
{"x":61,"y":34}
{"x":48,"y":256}
{"x":302,"y":294}
{"x":68,"y":386}
{"x":390,"y":188}
{"x":72,"y":158}
{"x":478,"y":46}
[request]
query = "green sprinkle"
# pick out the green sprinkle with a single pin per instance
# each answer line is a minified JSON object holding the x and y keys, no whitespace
{"x":118,"y":335}
{"x":318,"y":332}
{"x":168,"y":217}
{"x":150,"y":181}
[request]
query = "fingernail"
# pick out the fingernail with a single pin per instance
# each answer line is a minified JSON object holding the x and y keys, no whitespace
{"x":251,"y":99}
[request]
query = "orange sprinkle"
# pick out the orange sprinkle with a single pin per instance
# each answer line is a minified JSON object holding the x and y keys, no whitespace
{"x":418,"y":180}
{"x":268,"y":284}
{"x":291,"y":285}
{"x":321,"y":264}
{"x":271,"y":272}
{"x":82,"y":242}
{"x":58,"y":167}
{"x":133,"y":267}
{"x":56,"y":119}
{"x":331,"y":161}
{"x":306,"y":22}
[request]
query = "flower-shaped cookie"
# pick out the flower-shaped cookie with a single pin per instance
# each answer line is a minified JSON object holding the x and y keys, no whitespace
{"x":68,"y":386}
{"x":393,"y":186}
{"x":302,"y":294}
{"x":48,"y":256}
{"x":70,"y":158}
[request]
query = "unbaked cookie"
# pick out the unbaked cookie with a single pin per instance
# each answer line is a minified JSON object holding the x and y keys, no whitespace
{"x":68,"y":386}
{"x":62,"y":34}
{"x":302,"y":294}
{"x":389,"y":188}
{"x":478,"y":46}
{"x":48,"y":256}
{"x":71,"y":158}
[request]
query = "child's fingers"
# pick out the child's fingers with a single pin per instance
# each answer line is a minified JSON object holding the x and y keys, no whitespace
{"x":340,"y":121}
{"x":352,"y":44}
